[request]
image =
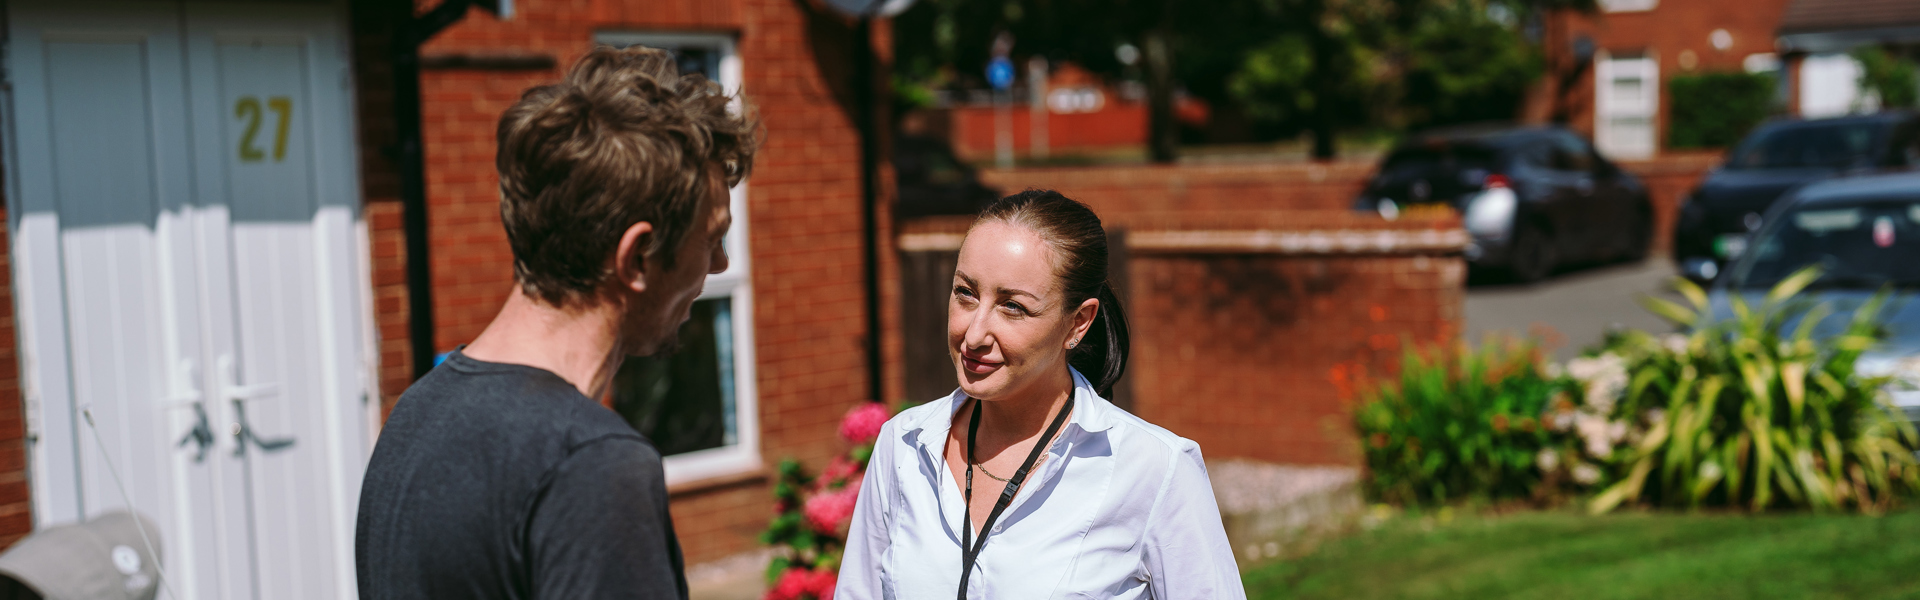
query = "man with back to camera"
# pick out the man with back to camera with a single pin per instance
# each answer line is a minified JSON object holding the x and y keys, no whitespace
{"x":499,"y":475}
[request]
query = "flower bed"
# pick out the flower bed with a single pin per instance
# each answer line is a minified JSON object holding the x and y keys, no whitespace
{"x":1749,"y":412}
{"x":809,"y":528}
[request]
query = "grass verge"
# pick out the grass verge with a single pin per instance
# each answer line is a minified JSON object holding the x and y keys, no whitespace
{"x":1571,"y":555}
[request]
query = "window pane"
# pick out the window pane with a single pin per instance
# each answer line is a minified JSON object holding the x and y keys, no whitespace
{"x":684,"y":402}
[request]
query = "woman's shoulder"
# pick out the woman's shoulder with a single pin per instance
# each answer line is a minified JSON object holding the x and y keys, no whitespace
{"x":1143,"y":437}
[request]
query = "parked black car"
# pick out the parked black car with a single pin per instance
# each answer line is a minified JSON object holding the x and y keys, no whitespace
{"x":1776,"y":157}
{"x":932,"y":181}
{"x":1532,"y":197}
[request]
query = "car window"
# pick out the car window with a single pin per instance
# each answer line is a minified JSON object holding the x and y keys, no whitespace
{"x":1860,"y":246}
{"x":1827,"y":145}
{"x":1571,"y":154}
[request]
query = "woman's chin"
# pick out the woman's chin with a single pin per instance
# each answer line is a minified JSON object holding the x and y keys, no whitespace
{"x":983,"y":386}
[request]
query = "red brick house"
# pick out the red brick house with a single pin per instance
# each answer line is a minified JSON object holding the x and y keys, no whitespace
{"x":1607,"y":71}
{"x":212,"y":290}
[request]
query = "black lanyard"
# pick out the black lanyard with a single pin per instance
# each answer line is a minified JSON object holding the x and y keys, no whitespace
{"x":969,"y":549}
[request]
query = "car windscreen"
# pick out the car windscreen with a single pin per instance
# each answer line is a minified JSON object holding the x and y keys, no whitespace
{"x":1823,"y":145}
{"x":1859,"y":246}
{"x":1432,"y":158}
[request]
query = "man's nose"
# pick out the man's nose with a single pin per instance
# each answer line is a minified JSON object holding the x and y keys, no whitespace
{"x":719,"y":264}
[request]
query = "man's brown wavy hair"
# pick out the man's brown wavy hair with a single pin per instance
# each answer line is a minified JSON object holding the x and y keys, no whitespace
{"x":624,"y":138}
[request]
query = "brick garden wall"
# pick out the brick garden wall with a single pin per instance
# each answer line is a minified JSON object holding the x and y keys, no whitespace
{"x":1146,"y":193}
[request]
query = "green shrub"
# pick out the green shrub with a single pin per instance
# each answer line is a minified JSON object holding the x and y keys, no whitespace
{"x":1468,"y":424}
{"x":1744,"y":412}
{"x":1714,"y":110}
{"x":1892,"y":77}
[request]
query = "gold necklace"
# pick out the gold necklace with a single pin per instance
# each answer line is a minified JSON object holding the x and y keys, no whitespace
{"x":983,"y":469}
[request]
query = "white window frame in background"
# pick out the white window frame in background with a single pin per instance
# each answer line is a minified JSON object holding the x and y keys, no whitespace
{"x":1620,"y":6}
{"x":1608,"y":106}
{"x":736,"y":283}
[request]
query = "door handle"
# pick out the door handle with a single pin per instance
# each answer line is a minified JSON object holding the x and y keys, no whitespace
{"x":186,"y":396}
{"x":239,"y":395}
{"x":243,"y":433}
{"x":201,"y":434}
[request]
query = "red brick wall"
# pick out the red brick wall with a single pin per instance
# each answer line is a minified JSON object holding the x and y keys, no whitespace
{"x":1118,"y":125}
{"x":1148,"y":194}
{"x":804,"y":216}
{"x":16,"y":510}
{"x":1237,"y":350}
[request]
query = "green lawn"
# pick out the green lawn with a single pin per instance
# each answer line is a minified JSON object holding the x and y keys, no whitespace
{"x":1570,"y":555}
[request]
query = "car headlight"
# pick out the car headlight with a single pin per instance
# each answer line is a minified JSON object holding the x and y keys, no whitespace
{"x":1490,"y":213}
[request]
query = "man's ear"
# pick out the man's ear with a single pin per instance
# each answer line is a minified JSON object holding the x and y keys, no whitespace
{"x":630,"y":257}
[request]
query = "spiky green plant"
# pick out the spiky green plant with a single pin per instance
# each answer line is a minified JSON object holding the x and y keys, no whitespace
{"x":1753,"y":412}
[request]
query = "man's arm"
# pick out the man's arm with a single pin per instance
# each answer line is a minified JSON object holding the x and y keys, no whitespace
{"x":600,"y":528}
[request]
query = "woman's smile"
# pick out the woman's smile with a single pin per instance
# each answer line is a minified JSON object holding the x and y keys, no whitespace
{"x":980,"y":365}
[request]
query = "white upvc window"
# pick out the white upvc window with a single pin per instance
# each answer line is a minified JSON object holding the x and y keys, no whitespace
{"x":1619,"y":6}
{"x":700,"y":405}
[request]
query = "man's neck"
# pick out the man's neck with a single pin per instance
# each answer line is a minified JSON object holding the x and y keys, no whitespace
{"x":580,"y":344}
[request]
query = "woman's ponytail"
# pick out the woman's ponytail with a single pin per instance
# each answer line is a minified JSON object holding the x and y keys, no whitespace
{"x":1102,"y":353}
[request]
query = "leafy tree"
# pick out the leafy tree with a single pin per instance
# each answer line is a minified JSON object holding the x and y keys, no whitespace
{"x":1892,"y":77}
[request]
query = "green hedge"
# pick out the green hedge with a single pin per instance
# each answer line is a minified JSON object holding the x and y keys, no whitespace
{"x":1714,"y":110}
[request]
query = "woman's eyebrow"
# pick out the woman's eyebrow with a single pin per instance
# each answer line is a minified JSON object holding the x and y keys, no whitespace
{"x":1004,"y":291}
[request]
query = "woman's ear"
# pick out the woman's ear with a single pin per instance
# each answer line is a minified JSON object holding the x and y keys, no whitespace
{"x":630,"y":260}
{"x":1083,"y":319}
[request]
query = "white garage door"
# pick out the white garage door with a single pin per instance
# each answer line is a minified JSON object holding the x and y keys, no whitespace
{"x":190,"y":270}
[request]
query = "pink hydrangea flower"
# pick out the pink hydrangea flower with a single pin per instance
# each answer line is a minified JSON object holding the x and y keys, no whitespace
{"x":862,"y":424}
{"x":800,"y":584}
{"x":827,"y":511}
{"x":837,"y":470}
{"x":822,"y":583}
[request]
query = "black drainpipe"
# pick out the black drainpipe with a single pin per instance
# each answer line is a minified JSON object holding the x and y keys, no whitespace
{"x":863,"y":103}
{"x":413,"y":32}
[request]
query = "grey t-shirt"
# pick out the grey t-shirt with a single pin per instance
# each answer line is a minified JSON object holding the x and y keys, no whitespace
{"x":503,"y":481}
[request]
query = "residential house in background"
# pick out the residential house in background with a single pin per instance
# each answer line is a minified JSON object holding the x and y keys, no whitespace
{"x":1607,"y":71}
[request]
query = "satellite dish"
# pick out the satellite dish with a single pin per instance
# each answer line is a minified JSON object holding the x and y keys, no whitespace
{"x":868,"y":8}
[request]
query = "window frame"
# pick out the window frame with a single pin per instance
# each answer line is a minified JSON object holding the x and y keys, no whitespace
{"x":736,"y":283}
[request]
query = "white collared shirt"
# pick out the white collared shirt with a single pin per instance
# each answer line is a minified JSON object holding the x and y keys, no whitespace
{"x":1120,"y":509}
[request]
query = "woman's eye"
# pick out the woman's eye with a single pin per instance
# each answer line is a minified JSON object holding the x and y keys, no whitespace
{"x":1015,"y":307}
{"x":963,"y":292}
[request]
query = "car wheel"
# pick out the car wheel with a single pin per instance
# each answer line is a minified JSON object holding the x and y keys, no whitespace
{"x":1532,"y":256}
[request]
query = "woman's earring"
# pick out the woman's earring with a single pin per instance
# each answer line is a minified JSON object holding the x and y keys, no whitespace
{"x":1071,"y":344}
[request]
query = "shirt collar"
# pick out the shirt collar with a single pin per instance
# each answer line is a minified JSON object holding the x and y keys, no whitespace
{"x":1091,"y":412}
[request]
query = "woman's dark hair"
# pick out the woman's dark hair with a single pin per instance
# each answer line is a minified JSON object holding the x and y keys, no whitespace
{"x":1075,"y":234}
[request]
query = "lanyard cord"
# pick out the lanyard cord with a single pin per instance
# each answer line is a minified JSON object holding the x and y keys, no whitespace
{"x":970,"y":549}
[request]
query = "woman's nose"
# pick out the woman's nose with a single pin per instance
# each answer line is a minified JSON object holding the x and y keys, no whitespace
{"x":979,"y":334}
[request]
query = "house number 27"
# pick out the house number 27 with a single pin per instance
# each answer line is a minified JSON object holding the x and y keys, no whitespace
{"x":249,"y":110}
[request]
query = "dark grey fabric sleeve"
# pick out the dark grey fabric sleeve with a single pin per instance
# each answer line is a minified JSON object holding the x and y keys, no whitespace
{"x":600,"y":528}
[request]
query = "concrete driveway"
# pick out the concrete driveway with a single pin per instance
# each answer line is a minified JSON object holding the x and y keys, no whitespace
{"x":1579,"y":305}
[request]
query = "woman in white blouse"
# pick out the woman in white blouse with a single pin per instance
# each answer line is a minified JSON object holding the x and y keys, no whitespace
{"x":1026,"y":482}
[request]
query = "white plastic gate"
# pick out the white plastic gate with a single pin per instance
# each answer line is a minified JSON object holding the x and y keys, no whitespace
{"x":190,"y":268}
